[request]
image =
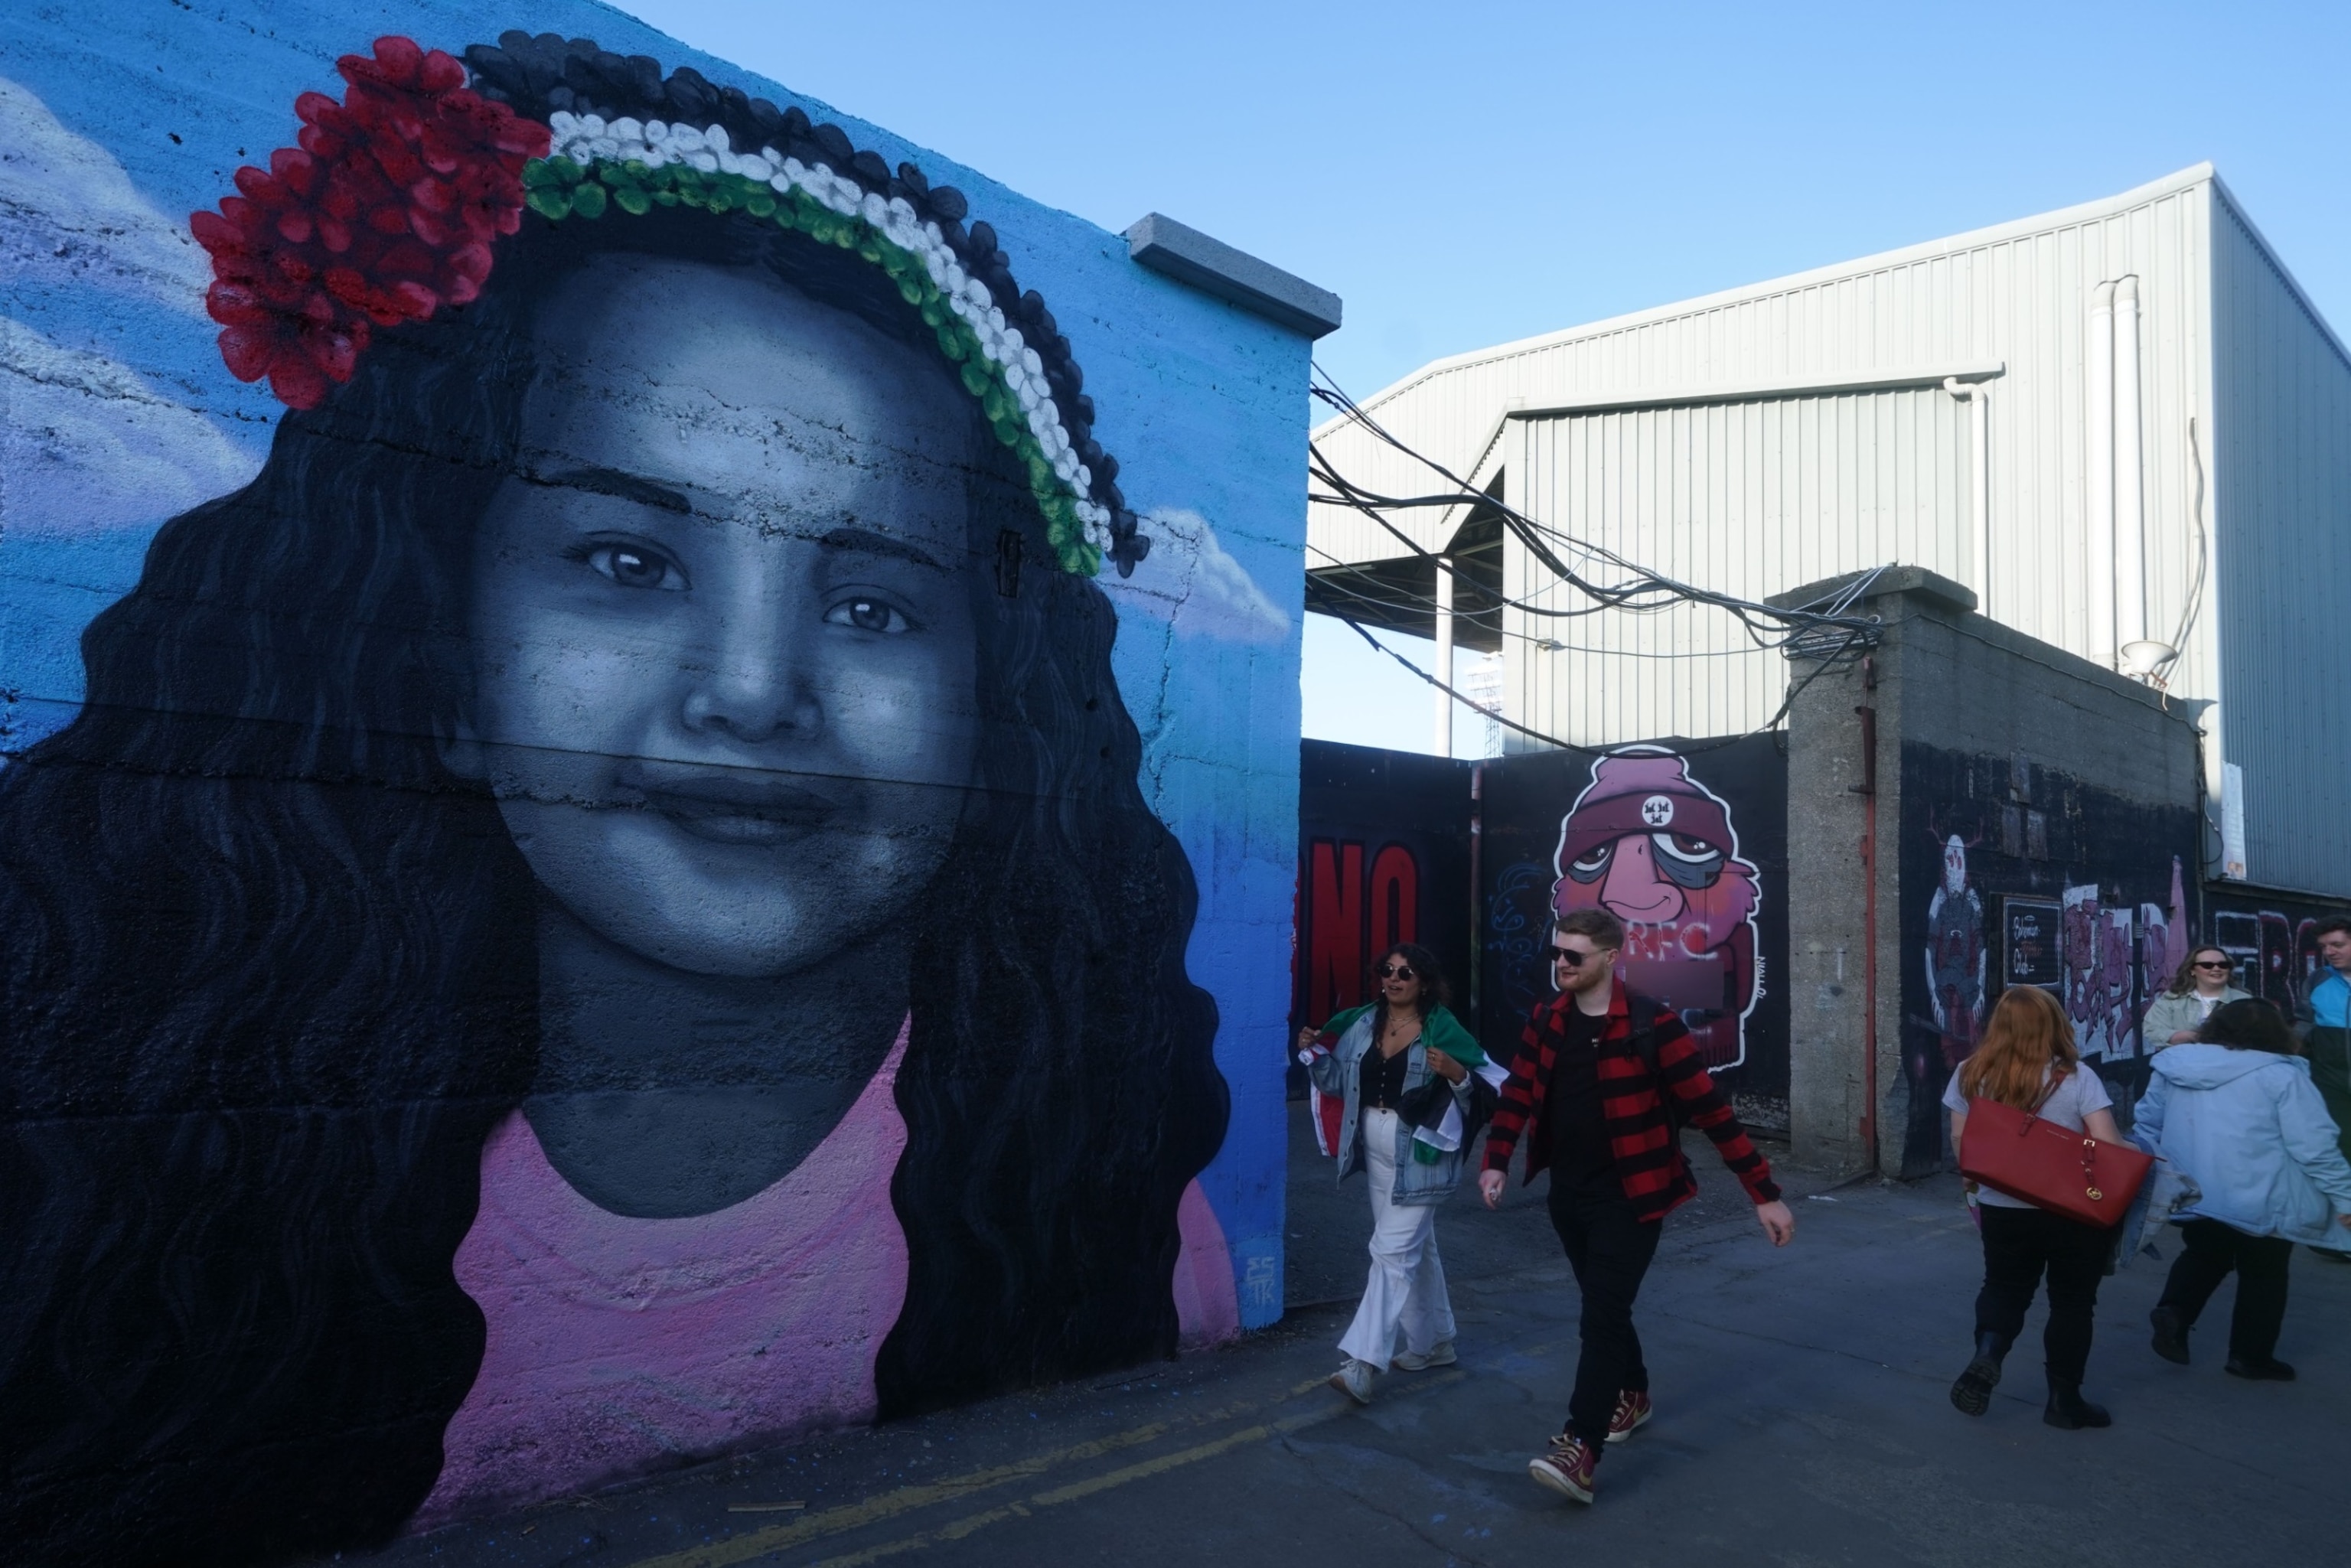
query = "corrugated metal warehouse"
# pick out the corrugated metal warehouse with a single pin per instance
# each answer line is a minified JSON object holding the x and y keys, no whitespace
{"x":2120,"y":424}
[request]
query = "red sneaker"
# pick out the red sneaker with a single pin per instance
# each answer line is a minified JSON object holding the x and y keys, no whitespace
{"x":1633,"y":1413}
{"x":1566,"y":1467}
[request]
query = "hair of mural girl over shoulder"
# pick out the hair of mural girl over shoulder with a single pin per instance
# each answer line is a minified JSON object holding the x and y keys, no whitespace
{"x":272,"y":967}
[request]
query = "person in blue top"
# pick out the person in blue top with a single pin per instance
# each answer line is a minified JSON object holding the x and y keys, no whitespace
{"x":2235,"y":1112}
{"x":2321,"y":1021}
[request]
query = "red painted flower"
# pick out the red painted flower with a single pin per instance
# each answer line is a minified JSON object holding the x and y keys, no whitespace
{"x":386,"y":211}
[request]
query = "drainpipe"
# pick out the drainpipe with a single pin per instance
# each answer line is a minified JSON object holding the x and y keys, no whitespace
{"x":2098,"y":474}
{"x":1444,"y":656}
{"x":1867,"y":791}
{"x":2130,"y":513}
{"x":1979,"y":399}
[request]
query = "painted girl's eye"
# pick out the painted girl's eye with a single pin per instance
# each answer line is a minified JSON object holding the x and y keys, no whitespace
{"x":637,"y":566}
{"x":1686,"y":862}
{"x":1591,"y":866}
{"x":868,"y":615}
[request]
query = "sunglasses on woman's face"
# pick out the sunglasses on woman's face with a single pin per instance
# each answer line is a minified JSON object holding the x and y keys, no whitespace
{"x":1396,"y":971}
{"x":2210,"y":964}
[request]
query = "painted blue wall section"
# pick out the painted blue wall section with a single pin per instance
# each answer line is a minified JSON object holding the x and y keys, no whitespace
{"x":118,"y":120}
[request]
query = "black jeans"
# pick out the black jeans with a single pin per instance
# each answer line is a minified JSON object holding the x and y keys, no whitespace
{"x":2261,"y":1263}
{"x":2019,"y":1246}
{"x":1609,"y":1248}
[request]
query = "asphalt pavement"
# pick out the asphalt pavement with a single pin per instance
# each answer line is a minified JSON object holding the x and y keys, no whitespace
{"x":1802,"y":1420}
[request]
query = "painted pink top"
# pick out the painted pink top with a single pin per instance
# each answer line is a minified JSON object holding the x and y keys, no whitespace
{"x":618,"y":1345}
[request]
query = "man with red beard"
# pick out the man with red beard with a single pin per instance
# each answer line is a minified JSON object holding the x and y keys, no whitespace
{"x":1595,"y":1074}
{"x":1656,"y":849}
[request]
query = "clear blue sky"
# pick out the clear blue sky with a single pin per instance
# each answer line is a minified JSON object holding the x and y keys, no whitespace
{"x":1466,"y":173}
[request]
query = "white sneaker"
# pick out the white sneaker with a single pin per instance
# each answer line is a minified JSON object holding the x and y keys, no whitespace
{"x":1353,"y":1379}
{"x":1439,"y":1355}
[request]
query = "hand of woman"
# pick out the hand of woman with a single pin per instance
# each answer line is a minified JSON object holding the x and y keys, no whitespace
{"x":1445,"y":1067}
{"x":1307,"y":1037}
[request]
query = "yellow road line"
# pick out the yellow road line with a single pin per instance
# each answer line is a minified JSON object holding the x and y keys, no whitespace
{"x":906,"y":1500}
{"x":1102,"y":1483}
{"x":1141,"y":1470}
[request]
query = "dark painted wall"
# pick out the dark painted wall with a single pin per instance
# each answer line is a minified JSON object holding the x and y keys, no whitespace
{"x":1687,"y":841}
{"x":2272,"y":935}
{"x":1383,"y":857}
{"x":2014,"y":872}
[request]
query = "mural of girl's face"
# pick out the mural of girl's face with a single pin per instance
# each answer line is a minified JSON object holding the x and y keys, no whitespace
{"x":723,"y":653}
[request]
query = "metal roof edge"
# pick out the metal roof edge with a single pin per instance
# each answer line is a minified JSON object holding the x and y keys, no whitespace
{"x":2286,"y":275}
{"x":2170,"y":184}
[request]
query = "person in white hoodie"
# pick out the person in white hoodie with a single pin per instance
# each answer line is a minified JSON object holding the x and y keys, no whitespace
{"x":2236,"y":1113}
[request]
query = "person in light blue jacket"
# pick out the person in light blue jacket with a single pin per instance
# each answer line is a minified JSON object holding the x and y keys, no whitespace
{"x":2236,"y":1113}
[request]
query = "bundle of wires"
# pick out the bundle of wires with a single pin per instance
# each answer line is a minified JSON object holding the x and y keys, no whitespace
{"x":1824,"y":633}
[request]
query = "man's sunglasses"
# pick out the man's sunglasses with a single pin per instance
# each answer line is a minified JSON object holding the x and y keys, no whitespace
{"x":1396,"y":971}
{"x":1570,"y":957}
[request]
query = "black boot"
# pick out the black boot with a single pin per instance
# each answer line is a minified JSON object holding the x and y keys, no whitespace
{"x":1972,"y":1392}
{"x":2170,"y":1334}
{"x":2068,"y":1409}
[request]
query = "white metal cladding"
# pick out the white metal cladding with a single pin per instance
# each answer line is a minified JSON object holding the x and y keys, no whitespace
{"x":2017,"y":296}
{"x":1746,"y":497}
{"x":2282,"y":601}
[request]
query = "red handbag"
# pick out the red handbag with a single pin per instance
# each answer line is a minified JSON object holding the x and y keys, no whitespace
{"x":2050,"y":1166}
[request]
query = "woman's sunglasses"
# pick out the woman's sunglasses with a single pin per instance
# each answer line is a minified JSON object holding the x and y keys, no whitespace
{"x":1396,"y":971}
{"x":2214,"y":964}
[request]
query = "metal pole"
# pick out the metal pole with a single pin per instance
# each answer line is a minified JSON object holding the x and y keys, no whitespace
{"x":1444,"y":656}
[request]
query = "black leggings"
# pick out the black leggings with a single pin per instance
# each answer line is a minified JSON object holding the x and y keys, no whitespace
{"x":2019,"y":1245}
{"x":2261,"y":1263}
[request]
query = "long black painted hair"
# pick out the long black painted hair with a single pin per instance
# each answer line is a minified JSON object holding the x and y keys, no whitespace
{"x":270,"y":975}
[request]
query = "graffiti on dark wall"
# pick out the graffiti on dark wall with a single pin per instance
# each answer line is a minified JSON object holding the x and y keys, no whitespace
{"x":522,"y":962}
{"x":1384,"y":857}
{"x":2271,"y":936}
{"x":2090,"y":903}
{"x":1686,"y":849}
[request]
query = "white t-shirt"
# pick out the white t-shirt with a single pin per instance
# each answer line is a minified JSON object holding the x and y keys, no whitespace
{"x":2069,"y":1107}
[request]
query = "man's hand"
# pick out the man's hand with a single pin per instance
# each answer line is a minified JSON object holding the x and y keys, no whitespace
{"x":1778,"y":1223}
{"x":1489,"y":1188}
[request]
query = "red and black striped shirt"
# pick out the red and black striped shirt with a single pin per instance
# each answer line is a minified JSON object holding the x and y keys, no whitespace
{"x":1649,"y":1164}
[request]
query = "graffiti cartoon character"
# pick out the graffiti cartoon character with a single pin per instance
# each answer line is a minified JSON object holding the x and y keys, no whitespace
{"x":601,"y":909}
{"x":1955,"y":955}
{"x":1656,"y":849}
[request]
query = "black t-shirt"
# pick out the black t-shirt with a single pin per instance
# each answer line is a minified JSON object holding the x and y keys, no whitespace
{"x":1581,"y":1158}
{"x":1384,"y":1078}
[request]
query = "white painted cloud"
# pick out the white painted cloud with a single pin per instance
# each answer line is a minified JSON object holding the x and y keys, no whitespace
{"x":69,"y":214}
{"x":1190,"y":582}
{"x":86,"y":443}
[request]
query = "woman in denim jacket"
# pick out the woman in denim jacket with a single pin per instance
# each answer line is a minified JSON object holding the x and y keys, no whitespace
{"x":2201,"y":985}
{"x":1374,"y":1056}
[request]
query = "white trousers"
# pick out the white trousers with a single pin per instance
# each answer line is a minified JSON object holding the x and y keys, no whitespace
{"x":1407,"y":1288}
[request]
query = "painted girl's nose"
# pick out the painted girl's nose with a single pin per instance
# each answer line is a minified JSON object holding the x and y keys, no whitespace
{"x":755,"y":685}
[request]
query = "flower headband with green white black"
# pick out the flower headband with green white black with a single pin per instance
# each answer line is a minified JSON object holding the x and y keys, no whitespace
{"x":395,"y":199}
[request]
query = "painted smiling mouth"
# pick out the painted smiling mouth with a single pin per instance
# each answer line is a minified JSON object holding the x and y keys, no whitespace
{"x":732,"y":810}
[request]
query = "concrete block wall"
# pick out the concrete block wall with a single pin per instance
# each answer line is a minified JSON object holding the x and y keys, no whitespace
{"x":2010,"y":778}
